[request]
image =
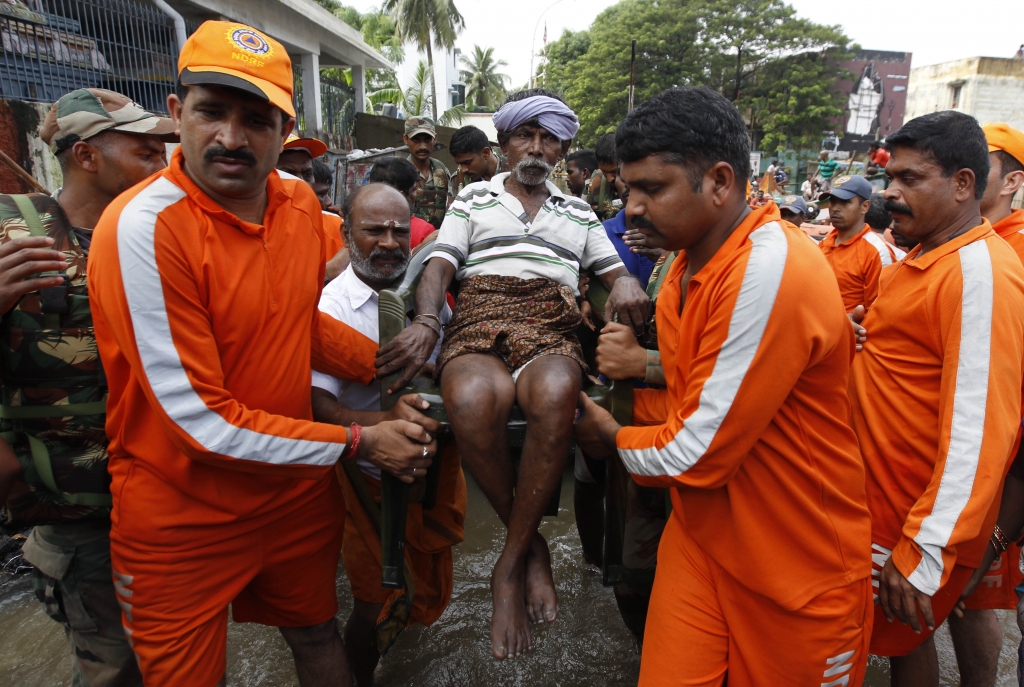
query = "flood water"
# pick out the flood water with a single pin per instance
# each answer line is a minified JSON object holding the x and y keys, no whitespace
{"x":587,"y":646}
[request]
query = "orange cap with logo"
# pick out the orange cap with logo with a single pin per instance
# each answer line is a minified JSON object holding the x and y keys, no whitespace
{"x":1004,"y":137}
{"x":224,"y":53}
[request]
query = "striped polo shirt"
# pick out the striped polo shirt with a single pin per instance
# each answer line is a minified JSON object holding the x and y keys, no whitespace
{"x":487,"y":231}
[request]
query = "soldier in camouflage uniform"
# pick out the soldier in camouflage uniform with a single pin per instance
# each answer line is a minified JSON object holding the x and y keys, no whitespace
{"x":52,"y":387}
{"x":477,"y":160}
{"x":432,"y":197}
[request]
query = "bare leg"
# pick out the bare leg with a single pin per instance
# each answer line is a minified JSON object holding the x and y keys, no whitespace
{"x":478,"y":394}
{"x":977,"y":639}
{"x":319,"y":655}
{"x":919,"y":668}
{"x":361,"y":641}
{"x":547,"y":391}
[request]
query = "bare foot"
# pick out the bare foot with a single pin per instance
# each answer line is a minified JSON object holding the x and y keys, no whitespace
{"x":510,"y":630}
{"x":541,"y":598}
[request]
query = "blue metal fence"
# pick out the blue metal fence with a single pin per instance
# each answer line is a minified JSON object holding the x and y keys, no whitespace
{"x":51,"y":47}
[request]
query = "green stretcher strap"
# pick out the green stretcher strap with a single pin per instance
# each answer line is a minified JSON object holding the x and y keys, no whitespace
{"x":41,"y":461}
{"x":64,"y":410}
{"x":29,"y":214}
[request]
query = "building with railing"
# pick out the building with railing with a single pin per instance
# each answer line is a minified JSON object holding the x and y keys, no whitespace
{"x":50,"y":47}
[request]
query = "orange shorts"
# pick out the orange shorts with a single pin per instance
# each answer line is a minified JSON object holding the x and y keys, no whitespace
{"x":996,"y":588}
{"x":896,"y":639}
{"x":175,"y":603}
{"x":703,"y":622}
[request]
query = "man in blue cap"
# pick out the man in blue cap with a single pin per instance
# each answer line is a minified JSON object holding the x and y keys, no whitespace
{"x":856,"y":253}
{"x":793,"y":210}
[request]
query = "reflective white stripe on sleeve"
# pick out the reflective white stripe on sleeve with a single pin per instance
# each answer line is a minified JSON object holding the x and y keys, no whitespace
{"x":164,"y":371}
{"x":966,"y":427}
{"x":879,"y":245}
{"x":760,"y":286}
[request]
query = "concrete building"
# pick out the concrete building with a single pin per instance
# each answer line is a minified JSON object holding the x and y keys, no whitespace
{"x":450,"y":90}
{"x":315,"y":38}
{"x":991,"y":89}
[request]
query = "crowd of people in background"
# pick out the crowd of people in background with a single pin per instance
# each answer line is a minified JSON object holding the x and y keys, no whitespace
{"x":199,"y":399}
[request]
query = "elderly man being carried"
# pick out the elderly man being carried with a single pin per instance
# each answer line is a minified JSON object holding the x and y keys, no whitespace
{"x":517,"y":244}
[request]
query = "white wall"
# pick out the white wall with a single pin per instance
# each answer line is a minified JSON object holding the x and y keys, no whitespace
{"x":991,"y":90}
{"x":446,"y":72}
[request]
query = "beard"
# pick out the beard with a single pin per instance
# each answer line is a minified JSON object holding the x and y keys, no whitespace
{"x":367,"y":270}
{"x":531,"y":171}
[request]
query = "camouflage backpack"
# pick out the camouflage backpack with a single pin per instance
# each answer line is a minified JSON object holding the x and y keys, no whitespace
{"x":52,"y":386}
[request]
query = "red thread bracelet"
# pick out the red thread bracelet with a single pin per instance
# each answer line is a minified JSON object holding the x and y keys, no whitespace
{"x":353,"y":445}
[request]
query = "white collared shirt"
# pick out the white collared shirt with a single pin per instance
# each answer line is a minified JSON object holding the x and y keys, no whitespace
{"x":349,"y":300}
{"x":487,"y":231}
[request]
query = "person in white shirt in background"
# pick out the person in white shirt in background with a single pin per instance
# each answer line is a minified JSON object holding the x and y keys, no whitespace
{"x":377,"y":219}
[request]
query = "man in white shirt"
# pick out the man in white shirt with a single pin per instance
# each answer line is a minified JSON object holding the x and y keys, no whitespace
{"x":517,"y":245}
{"x":377,"y":234}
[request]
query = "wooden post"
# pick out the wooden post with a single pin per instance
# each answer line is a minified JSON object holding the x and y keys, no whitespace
{"x":632,"y":74}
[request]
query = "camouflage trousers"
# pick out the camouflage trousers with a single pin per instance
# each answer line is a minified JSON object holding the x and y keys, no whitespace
{"x":73,"y":581}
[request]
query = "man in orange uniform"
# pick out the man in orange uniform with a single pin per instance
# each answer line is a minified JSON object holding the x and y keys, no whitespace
{"x":977,"y":634}
{"x":937,"y":388}
{"x":297,"y":158}
{"x":856,"y":254}
{"x":769,"y":530}
{"x":204,"y":282}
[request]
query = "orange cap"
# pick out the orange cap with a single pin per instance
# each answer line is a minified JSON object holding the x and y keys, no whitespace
{"x":314,"y":146}
{"x":1004,"y":137}
{"x":224,"y":53}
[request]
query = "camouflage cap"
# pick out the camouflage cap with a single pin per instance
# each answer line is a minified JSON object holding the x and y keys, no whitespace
{"x":420,"y":125}
{"x":86,"y":112}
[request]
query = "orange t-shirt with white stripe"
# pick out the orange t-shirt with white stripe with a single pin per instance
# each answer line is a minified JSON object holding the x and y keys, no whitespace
{"x":936,"y":395}
{"x":208,"y":328}
{"x":1011,"y":229}
{"x":335,"y":241}
{"x":857,"y":264}
{"x":752,"y":430}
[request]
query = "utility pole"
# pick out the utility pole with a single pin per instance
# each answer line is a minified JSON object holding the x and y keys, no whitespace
{"x":632,"y":74}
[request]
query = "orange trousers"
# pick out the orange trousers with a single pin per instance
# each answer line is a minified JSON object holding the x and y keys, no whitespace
{"x":996,"y":588}
{"x":175,"y":603}
{"x":703,"y":623}
{"x":429,"y":534}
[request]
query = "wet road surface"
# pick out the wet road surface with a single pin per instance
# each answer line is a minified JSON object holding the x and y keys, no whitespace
{"x":587,"y":646}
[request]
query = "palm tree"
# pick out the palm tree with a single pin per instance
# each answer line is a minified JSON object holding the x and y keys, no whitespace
{"x":426,"y":23}
{"x":416,"y":100}
{"x":484,"y":84}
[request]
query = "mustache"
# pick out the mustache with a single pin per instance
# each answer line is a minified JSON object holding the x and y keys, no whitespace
{"x":222,"y":152}
{"x":893,"y":206}
{"x":379,"y":254}
{"x":643,"y":223}
{"x":533,"y":163}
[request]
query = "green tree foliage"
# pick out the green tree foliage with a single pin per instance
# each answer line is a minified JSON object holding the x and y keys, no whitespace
{"x":427,"y":24}
{"x":485,"y":86}
{"x":779,"y":69}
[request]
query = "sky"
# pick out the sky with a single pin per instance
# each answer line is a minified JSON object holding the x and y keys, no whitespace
{"x":934,"y":31}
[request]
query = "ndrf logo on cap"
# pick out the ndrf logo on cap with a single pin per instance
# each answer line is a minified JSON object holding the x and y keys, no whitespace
{"x":233,"y":55}
{"x":247,"y":39}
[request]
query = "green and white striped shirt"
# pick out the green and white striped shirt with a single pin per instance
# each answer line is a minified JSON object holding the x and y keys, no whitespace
{"x":486,"y":231}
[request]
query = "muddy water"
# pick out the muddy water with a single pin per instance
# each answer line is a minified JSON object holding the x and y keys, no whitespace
{"x":587,"y":647}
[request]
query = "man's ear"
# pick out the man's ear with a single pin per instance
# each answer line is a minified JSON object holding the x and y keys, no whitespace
{"x":85,"y":156}
{"x":1012,"y":183}
{"x":486,"y":153}
{"x":964,"y":184}
{"x":175,"y":108}
{"x":287,"y":126}
{"x":565,"y":148}
{"x":723,"y":180}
